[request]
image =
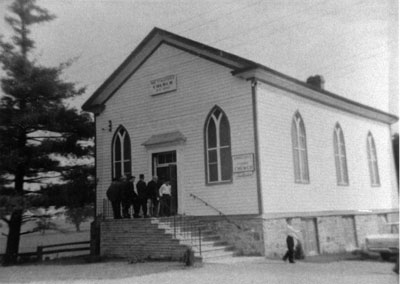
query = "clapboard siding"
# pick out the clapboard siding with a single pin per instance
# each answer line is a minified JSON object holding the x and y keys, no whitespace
{"x":276,"y":109}
{"x":201,"y":85}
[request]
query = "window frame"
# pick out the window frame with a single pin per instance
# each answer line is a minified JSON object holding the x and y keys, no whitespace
{"x":217,"y":148}
{"x":300,"y":153}
{"x":120,"y":135}
{"x":372,"y":157}
{"x":339,"y":151}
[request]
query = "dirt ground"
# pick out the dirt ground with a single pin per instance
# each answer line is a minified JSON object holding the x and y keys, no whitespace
{"x":235,"y":270}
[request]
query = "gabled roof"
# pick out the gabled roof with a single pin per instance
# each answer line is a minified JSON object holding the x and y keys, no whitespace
{"x":241,"y":67}
{"x":146,"y":48}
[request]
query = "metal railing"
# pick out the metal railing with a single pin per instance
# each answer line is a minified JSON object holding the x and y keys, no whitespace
{"x":184,"y":228}
{"x":218,"y":211}
{"x":181,"y":227}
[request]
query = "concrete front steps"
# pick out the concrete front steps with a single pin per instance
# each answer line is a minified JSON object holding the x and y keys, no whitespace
{"x":209,"y":247}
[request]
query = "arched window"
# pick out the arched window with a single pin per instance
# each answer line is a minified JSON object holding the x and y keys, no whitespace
{"x":372,"y":160}
{"x":218,"y":147}
{"x":299,"y":144}
{"x":340,"y":156}
{"x":121,"y":153}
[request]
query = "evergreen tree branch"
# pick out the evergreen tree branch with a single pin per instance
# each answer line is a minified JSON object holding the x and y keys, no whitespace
{"x":5,"y":220}
{"x":40,"y":178}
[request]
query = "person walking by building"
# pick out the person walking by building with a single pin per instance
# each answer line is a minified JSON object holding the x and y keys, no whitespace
{"x":165,"y":202}
{"x":291,"y":235}
{"x":153,"y":195}
{"x":114,"y":195}
{"x":142,"y":193}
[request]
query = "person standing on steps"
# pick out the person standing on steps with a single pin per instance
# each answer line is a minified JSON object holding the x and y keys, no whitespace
{"x":114,"y":194}
{"x":165,"y":202}
{"x":291,"y":235}
{"x":129,"y":196}
{"x":153,"y":195}
{"x":142,"y":194}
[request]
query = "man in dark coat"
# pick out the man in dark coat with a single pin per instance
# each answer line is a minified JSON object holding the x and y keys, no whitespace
{"x":142,"y":192}
{"x":129,"y":196}
{"x":152,"y":193}
{"x":114,"y":195}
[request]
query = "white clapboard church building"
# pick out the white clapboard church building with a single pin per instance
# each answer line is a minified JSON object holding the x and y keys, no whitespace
{"x":244,"y":147}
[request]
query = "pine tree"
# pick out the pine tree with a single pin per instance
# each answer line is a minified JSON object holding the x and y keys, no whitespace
{"x":34,"y":121}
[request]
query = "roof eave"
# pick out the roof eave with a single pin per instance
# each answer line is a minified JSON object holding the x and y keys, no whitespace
{"x":284,"y":82}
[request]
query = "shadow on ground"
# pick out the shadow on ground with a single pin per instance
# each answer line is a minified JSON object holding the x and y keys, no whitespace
{"x":78,"y":268}
{"x":350,"y":256}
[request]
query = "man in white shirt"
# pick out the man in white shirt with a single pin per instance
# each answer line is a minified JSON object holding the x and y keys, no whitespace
{"x":165,"y":199}
{"x":291,"y":234}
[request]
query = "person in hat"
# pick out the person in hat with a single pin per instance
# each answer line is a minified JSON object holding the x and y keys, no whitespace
{"x":114,"y":195}
{"x":142,"y":194}
{"x":129,"y":196}
{"x":153,"y":194}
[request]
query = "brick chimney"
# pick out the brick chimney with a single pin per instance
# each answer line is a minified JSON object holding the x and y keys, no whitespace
{"x":316,"y":81}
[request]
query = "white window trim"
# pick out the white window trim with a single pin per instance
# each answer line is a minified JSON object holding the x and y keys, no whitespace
{"x":373,"y":161}
{"x":302,"y":166}
{"x":218,"y":148}
{"x":121,"y":139}
{"x":340,"y":157}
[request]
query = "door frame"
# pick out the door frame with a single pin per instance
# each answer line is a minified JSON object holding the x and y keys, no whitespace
{"x":306,"y":234}
{"x":179,"y":169}
{"x":166,"y":167}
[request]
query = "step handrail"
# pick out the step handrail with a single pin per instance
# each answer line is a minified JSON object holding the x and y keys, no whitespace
{"x":215,"y":209}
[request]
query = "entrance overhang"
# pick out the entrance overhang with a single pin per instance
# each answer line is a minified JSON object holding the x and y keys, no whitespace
{"x":165,"y":139}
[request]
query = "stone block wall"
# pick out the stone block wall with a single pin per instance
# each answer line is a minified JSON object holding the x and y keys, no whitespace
{"x":335,"y":233}
{"x":331,"y":234}
{"x":138,"y":238}
{"x":244,"y":233}
{"x":275,"y":237}
{"x":366,"y":225}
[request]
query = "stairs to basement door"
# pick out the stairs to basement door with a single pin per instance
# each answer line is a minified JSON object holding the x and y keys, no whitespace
{"x":206,"y":244}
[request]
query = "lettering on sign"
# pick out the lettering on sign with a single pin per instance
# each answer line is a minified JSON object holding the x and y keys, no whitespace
{"x":243,"y":163}
{"x":163,"y":85}
{"x":244,"y":174}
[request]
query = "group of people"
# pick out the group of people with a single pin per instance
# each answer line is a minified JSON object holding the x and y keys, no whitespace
{"x":152,"y":199}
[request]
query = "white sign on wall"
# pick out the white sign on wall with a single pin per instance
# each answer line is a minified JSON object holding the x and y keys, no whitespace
{"x":163,"y":85}
{"x":243,"y":163}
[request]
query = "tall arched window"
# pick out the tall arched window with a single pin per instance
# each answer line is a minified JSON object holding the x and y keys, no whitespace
{"x":218,"y":147}
{"x":121,"y":153}
{"x":372,"y":160}
{"x":299,"y":144}
{"x":340,"y":156}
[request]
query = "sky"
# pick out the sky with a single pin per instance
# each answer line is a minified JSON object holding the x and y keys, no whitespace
{"x":353,"y":44}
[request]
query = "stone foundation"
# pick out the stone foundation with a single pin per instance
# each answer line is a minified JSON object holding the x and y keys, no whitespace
{"x":138,"y":238}
{"x":243,"y":233}
{"x":333,"y":233}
